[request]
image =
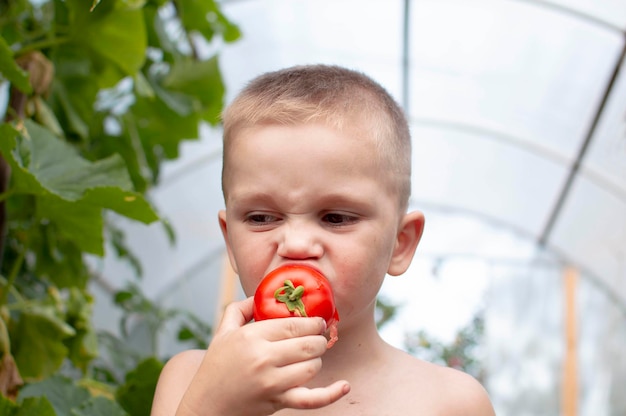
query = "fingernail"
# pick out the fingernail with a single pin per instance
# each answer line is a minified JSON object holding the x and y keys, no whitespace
{"x":323,"y":326}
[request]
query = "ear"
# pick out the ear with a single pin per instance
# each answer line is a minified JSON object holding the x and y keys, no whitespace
{"x":409,"y":235}
{"x":221,"y":216}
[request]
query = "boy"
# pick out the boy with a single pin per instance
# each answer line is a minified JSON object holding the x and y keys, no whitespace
{"x":317,"y":167}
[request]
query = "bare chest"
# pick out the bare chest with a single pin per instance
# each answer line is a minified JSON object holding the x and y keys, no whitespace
{"x":377,"y":399}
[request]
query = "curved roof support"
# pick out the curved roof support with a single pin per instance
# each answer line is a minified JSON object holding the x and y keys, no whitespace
{"x":576,"y":164}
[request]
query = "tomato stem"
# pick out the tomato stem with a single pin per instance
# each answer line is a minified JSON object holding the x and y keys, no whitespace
{"x":291,"y":296}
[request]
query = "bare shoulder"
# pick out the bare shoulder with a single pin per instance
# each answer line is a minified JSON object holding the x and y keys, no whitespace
{"x":174,"y":381}
{"x":467,"y":394}
{"x":185,"y":360}
{"x":453,"y":392}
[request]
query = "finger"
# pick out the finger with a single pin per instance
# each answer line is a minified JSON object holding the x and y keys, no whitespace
{"x":294,"y":375}
{"x":237,"y":314}
{"x":293,"y":350}
{"x":305,"y":398}
{"x":285,"y":328}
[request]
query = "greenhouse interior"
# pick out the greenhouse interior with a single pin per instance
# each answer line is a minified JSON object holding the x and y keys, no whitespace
{"x":517,"y":110}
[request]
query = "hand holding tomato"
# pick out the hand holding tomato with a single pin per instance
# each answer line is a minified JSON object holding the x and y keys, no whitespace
{"x":257,"y":369}
{"x":296,"y":290}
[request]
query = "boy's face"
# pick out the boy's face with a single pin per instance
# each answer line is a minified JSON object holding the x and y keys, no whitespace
{"x":310,"y":194}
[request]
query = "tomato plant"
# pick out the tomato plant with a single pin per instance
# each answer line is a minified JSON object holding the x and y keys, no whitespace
{"x":296,"y":290}
{"x":94,"y":97}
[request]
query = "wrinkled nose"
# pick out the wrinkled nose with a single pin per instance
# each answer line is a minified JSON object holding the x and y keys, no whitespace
{"x":299,"y":241}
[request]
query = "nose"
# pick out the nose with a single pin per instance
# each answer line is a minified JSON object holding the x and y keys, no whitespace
{"x":299,"y":241}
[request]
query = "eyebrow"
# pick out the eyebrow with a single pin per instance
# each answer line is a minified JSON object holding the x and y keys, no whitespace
{"x":331,"y":200}
{"x":251,"y":196}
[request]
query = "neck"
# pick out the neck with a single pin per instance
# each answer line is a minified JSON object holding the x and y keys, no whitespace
{"x":357,"y":344}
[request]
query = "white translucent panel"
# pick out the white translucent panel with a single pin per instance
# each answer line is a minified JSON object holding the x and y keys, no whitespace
{"x":613,"y":12}
{"x":451,"y":232}
{"x":191,"y":205}
{"x":591,"y":232}
{"x":486,"y":176}
{"x":524,"y":340}
{"x":511,"y":67}
{"x":365,"y":35}
{"x":605,"y":161}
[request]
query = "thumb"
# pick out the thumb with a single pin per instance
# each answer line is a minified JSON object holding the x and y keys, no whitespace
{"x":236,"y":315}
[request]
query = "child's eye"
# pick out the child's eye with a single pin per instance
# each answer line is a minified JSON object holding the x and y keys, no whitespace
{"x":261,"y":219}
{"x":334,"y":218}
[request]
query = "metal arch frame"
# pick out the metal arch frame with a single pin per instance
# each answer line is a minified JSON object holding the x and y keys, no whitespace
{"x":576,"y":165}
{"x":546,"y":4}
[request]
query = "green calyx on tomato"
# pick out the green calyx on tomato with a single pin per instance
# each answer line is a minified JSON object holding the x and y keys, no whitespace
{"x":291,"y":296}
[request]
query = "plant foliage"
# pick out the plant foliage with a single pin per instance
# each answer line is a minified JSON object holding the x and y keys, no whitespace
{"x":97,"y":94}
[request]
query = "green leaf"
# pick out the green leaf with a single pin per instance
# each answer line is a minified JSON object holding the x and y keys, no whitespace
{"x":80,"y":223}
{"x":32,"y":406}
{"x":41,"y":164}
{"x":129,"y":204}
{"x":195,"y":14}
{"x":64,"y":105}
{"x":75,"y":87}
{"x":230,"y":31}
{"x":136,"y":394}
{"x":122,"y":296}
{"x":37,"y":341}
{"x":58,"y":260}
{"x":116,"y":33}
{"x":11,"y":70}
{"x":99,"y":406}
{"x":36,"y":406}
{"x":199,"y":79}
{"x":169,"y":231}
{"x":206,"y":18}
{"x":125,"y":146}
{"x":185,"y":333}
{"x":164,"y":127}
{"x":57,"y":168}
{"x":62,"y":392}
{"x":7,"y":406}
{"x":121,"y":38}
{"x":176,"y":102}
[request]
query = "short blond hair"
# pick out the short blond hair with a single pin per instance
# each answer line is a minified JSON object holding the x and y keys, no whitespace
{"x":337,"y":96}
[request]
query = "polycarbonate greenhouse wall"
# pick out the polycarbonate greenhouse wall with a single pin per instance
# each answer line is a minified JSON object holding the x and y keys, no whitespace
{"x":517,"y":110}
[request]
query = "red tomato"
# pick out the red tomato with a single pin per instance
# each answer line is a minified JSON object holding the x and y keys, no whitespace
{"x":296,"y":290}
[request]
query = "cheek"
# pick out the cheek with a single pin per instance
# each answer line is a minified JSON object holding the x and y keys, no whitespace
{"x":358,"y":280}
{"x":362,"y":270}
{"x":253,"y":258}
